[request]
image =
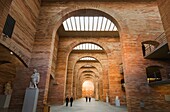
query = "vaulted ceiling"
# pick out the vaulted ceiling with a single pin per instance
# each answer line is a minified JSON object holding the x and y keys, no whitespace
{"x":65,"y":1}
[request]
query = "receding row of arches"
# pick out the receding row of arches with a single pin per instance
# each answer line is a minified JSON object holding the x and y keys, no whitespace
{"x":86,"y":72}
{"x":83,"y":64}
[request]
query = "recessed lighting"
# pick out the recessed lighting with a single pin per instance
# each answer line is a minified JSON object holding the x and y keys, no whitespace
{"x":11,"y":53}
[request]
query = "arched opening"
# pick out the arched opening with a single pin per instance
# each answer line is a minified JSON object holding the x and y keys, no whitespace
{"x":87,"y":89}
{"x":88,"y":53}
{"x":149,"y":46}
{"x":153,"y":73}
{"x":72,"y":16}
{"x":10,"y":65}
{"x":87,"y":46}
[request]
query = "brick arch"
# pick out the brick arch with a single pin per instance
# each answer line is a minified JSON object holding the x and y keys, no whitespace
{"x":87,"y":80}
{"x":88,"y":64}
{"x":90,"y":43}
{"x":115,"y":18}
{"x":102,"y":45}
{"x":55,"y":24}
{"x":83,"y":75}
{"x":154,"y":43}
{"x":95,"y":73}
{"x":90,"y":57}
{"x":87,"y":75}
{"x":99,"y":60}
{"x":79,"y":70}
{"x":154,"y":71}
{"x":14,"y":48}
{"x":81,"y":84}
{"x":156,"y":66}
{"x":92,"y":65}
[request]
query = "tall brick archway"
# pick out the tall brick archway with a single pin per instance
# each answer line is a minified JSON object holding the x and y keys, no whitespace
{"x":115,"y":18}
{"x":136,"y":21}
{"x":76,"y":70}
{"x":66,"y":50}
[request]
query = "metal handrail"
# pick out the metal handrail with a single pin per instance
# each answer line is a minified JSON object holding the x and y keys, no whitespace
{"x":161,"y":39}
{"x":150,"y":48}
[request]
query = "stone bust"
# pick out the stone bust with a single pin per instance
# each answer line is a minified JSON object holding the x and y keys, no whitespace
{"x":35,"y":78}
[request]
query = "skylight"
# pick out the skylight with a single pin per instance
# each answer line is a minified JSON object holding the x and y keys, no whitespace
{"x":89,"y":23}
{"x":87,"y":59}
{"x":87,"y":66}
{"x":87,"y":46}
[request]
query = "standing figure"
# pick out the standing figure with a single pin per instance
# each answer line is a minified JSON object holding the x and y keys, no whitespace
{"x":67,"y":100}
{"x":35,"y":78}
{"x":89,"y":99}
{"x":8,"y":88}
{"x":71,"y":101}
{"x":86,"y":98}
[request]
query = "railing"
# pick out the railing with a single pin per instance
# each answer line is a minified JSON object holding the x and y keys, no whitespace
{"x":161,"y":39}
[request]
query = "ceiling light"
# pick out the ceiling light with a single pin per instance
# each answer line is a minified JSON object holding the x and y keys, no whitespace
{"x":11,"y":53}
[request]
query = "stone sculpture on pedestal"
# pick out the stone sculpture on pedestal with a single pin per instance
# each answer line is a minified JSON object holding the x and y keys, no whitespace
{"x":31,"y":95}
{"x":117,"y":101}
{"x":35,"y":78}
{"x":8,"y":88}
{"x":107,"y":98}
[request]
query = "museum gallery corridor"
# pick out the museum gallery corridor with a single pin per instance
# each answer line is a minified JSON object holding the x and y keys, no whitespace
{"x":81,"y":105}
{"x":114,"y":51}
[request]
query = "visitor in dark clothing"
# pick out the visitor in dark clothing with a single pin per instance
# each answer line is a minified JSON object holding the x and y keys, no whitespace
{"x":67,"y":100}
{"x":89,"y":99}
{"x":71,"y":101}
{"x":86,"y":98}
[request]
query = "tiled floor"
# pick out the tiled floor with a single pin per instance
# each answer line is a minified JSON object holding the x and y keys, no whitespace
{"x":94,"y":106}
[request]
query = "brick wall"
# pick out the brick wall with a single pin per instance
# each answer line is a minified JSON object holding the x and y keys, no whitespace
{"x":137,"y":23}
{"x":21,"y":43}
{"x":4,"y":9}
{"x":26,"y":15}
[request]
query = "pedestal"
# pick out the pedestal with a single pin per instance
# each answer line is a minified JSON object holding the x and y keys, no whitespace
{"x":7,"y":101}
{"x":107,"y":99}
{"x":4,"y":101}
{"x":30,"y":100}
{"x":117,"y":102}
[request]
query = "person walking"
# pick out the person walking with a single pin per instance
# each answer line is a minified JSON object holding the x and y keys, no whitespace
{"x":71,"y":101}
{"x":86,"y":98}
{"x":67,"y":100}
{"x":89,"y":99}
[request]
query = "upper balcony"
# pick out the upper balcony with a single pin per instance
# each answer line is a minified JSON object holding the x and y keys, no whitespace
{"x":156,"y":49}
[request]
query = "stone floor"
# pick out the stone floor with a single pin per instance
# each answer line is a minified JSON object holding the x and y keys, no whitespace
{"x":94,"y":106}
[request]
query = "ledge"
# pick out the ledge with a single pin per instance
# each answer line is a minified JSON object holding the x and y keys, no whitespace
{"x":158,"y":83}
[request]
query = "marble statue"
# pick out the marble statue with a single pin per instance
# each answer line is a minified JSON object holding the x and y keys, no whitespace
{"x":35,"y":78}
{"x":117,"y":101}
{"x":8,"y":88}
{"x":107,"y":98}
